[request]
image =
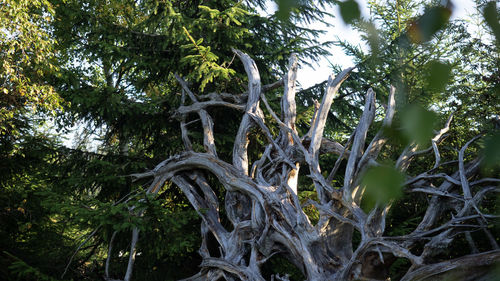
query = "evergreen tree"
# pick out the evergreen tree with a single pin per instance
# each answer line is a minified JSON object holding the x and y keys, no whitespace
{"x":111,"y":65}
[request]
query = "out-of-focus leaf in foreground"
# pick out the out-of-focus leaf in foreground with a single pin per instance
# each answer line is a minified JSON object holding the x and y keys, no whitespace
{"x":434,"y":19}
{"x":383,"y":184}
{"x":492,"y":18}
{"x":349,"y":10}
{"x":491,"y":151}
{"x":418,"y":124}
{"x":285,"y":7}
{"x":439,"y":75}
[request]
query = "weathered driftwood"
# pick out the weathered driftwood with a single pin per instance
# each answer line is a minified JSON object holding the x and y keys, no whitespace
{"x":267,"y":218}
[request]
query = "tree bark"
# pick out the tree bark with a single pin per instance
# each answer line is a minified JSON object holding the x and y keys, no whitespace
{"x":267,"y":217}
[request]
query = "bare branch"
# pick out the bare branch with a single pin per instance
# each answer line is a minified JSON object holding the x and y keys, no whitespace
{"x":379,"y":140}
{"x":324,"y":109}
{"x":359,"y":143}
{"x":108,"y":258}
{"x":184,"y":131}
{"x":196,"y":107}
{"x":339,"y":160}
{"x":133,"y":252}
{"x":208,"y":126}
{"x":410,"y":151}
{"x":463,"y":177}
{"x":78,"y":249}
{"x":240,"y":157}
{"x":484,"y":180}
{"x":288,"y":101}
{"x":438,"y":270}
{"x":288,"y":108}
{"x":264,"y":208}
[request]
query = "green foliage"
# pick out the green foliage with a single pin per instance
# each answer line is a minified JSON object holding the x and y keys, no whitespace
{"x":398,"y":267}
{"x":383,"y":184}
{"x":428,"y":24}
{"x":439,"y":72}
{"x":418,"y":124}
{"x":27,"y":56}
{"x":24,"y":271}
{"x":492,"y":151}
{"x":349,"y":10}
{"x":490,"y":14}
{"x":285,"y":7}
{"x":311,"y":212}
{"x":439,"y":75}
{"x":208,"y":70}
{"x":435,"y":65}
{"x":279,"y":264}
{"x":110,"y":65}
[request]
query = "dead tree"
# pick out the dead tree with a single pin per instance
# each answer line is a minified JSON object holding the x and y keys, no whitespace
{"x":267,"y":217}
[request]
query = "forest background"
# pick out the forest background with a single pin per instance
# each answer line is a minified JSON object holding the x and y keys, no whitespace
{"x":107,"y":68}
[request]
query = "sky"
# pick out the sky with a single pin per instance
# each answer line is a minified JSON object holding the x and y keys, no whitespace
{"x":308,"y":76}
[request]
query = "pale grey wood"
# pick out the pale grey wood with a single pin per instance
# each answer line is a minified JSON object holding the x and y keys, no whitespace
{"x":358,"y":145}
{"x":108,"y":258}
{"x":324,"y":108}
{"x":240,"y":157}
{"x":445,"y":270}
{"x":265,"y":211}
{"x":289,"y":109}
{"x":207,"y":123}
{"x":132,"y":254}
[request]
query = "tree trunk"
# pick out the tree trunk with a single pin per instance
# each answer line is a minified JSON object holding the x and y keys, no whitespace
{"x":267,"y":217}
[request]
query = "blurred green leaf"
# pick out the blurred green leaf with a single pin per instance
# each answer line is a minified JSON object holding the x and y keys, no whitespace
{"x":285,"y":7}
{"x":491,"y":17}
{"x":382,"y":184}
{"x":418,"y":123}
{"x":492,"y":151}
{"x":433,"y":20}
{"x":373,"y":38}
{"x":349,"y":10}
{"x":439,"y":75}
{"x":396,"y":135}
